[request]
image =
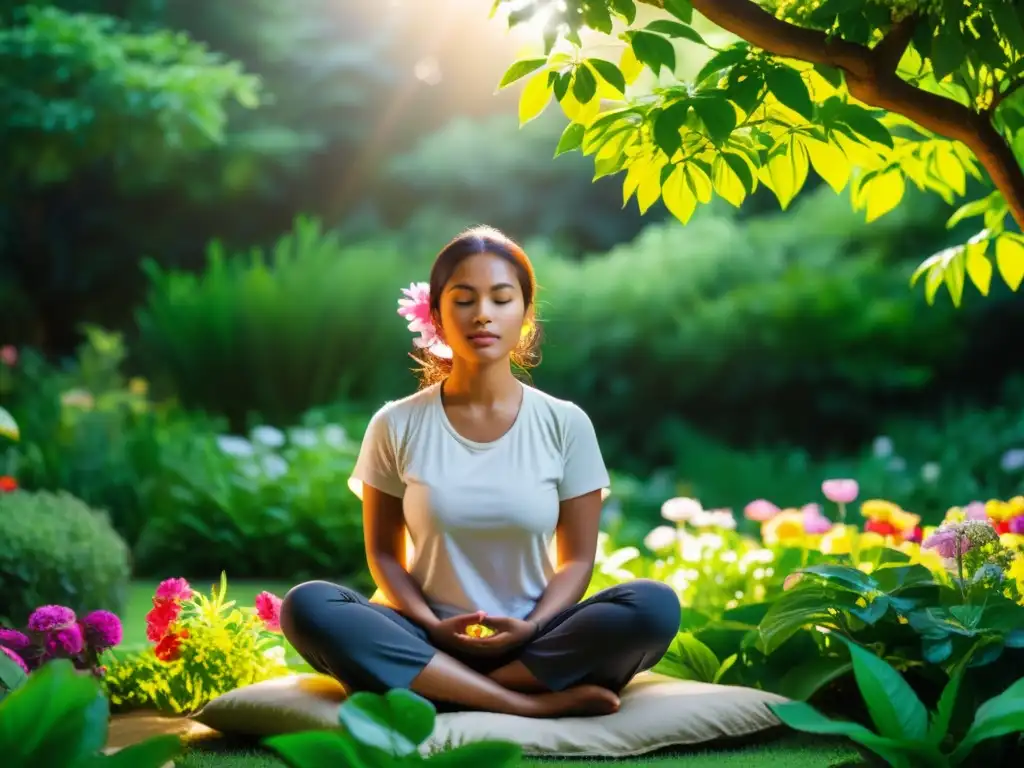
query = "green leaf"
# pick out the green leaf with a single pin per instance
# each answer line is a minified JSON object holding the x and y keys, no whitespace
{"x":723,"y":60}
{"x":1010,"y":258}
{"x":626,"y":9}
{"x":787,"y":168}
{"x":948,"y":53}
{"x":679,"y":198}
{"x":696,"y":656}
{"x":882,"y":193}
{"x":861,"y":121}
{"x":936,"y":650}
{"x":850,"y":578}
{"x":534,"y":98}
{"x":718,"y":115}
{"x":803,"y":717}
{"x":8,"y":426}
{"x":155,"y":752}
{"x":729,"y":185}
{"x":968,"y":210}
{"x":829,"y":161}
{"x":572,"y":138}
{"x":1009,"y":21}
{"x":894,"y":707}
{"x":667,"y":127}
{"x":609,"y":73}
{"x":681,"y":9}
{"x":584,"y":86}
{"x":519,"y":70}
{"x":803,"y":681}
{"x":11,"y":675}
{"x":897,"y":577}
{"x":654,"y":51}
{"x":318,"y":749}
{"x":999,"y":716}
{"x":799,"y":608}
{"x":675,"y":29}
{"x":395,"y":723}
{"x":946,"y":705}
{"x":790,"y":89}
{"x":493,"y":754}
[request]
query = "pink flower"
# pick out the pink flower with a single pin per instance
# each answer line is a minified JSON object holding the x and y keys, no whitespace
{"x":15,"y":658}
{"x":102,"y":629}
{"x":815,"y":522}
{"x":760,"y":511}
{"x":9,"y":355}
{"x":1017,"y":525}
{"x":840,"y":491}
{"x":67,"y":640}
{"x":268,"y":607}
{"x":948,"y":542}
{"x":48,"y":618}
{"x":173,"y":589}
{"x":13,"y":639}
{"x":416,"y":310}
{"x":975,"y":511}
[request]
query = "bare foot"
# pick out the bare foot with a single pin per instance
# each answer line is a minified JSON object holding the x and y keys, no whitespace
{"x":581,"y":700}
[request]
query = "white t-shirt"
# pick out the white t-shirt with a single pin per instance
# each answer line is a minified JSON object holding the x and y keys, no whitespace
{"x":481,"y":516}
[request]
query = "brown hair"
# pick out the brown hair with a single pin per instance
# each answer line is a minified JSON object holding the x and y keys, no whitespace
{"x":433,"y":369}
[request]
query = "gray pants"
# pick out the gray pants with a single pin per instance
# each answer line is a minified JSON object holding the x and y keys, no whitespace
{"x":604,"y":640}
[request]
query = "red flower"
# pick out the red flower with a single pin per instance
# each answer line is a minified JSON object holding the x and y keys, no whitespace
{"x":159,"y":619}
{"x":268,"y":607}
{"x":169,"y":647}
{"x":881,"y":528}
{"x":1003,"y":526}
{"x":915,"y":535}
{"x":8,"y":484}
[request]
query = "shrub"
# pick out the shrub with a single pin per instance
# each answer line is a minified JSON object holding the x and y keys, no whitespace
{"x":54,"y":549}
{"x":269,"y":335}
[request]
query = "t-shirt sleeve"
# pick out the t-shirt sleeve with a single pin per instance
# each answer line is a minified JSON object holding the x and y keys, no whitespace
{"x":583,"y":465}
{"x":377,"y":464}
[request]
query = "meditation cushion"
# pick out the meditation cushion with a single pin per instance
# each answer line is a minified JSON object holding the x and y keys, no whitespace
{"x":656,"y":712}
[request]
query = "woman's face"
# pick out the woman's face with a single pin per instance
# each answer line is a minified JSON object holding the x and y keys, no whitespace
{"x":482,"y":309}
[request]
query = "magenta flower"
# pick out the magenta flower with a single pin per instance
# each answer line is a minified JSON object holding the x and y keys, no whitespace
{"x":48,"y":618}
{"x":1017,"y":525}
{"x":13,"y":639}
{"x":416,"y":310}
{"x":15,"y":658}
{"x":842,"y":491}
{"x":68,"y":640}
{"x":268,"y":607}
{"x":948,"y":542}
{"x":102,"y":630}
{"x":814,"y":522}
{"x":173,"y":589}
{"x":760,"y":511}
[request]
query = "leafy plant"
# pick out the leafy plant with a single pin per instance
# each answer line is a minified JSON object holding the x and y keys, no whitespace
{"x":906,"y":736}
{"x":58,"y":718}
{"x":384,"y":730}
{"x":875,"y":96}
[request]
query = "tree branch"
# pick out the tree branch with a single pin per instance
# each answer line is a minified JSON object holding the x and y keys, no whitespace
{"x":871,"y":78}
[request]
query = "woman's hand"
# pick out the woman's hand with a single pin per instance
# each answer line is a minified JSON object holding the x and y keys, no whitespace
{"x":509,"y":633}
{"x":451,"y":634}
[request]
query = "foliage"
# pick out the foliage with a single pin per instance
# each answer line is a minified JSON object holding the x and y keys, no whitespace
{"x":382,"y":730}
{"x":907,"y":735}
{"x":58,"y":718}
{"x":56,"y":549}
{"x":202,"y":647}
{"x":275,"y":333}
{"x":806,"y":89}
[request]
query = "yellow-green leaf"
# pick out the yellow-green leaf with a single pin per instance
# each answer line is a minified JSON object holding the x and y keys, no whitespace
{"x":954,"y":277}
{"x":979,"y":268}
{"x":949,"y":168}
{"x":727,"y":182}
{"x":699,"y":183}
{"x":678,"y":197}
{"x":649,"y":187}
{"x":8,"y":426}
{"x":829,"y":161}
{"x":519,"y":70}
{"x":1010,"y":259}
{"x":787,"y":167}
{"x":630,"y":65}
{"x":534,"y":98}
{"x":883,"y":193}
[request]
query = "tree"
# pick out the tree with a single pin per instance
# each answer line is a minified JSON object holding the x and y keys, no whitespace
{"x":873,"y":94}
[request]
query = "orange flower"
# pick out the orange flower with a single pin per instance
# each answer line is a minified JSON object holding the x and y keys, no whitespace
{"x":8,"y":484}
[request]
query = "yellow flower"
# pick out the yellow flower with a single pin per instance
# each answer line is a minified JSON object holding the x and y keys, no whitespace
{"x":999,"y":511}
{"x":880,"y":510}
{"x":786,"y":528}
{"x":870,"y":540}
{"x":138,"y":386}
{"x":1012,"y":541}
{"x":1016,"y":572}
{"x":838,"y":541}
{"x":929,"y":558}
{"x":905,"y":521}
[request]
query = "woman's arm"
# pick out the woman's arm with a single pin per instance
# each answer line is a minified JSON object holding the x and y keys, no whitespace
{"x":578,"y":522}
{"x":384,"y":538}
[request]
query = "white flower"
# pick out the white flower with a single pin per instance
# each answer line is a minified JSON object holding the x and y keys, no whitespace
{"x":715,"y":518}
{"x":661,"y":538}
{"x":275,"y":654}
{"x":304,"y":438}
{"x":680,"y":509}
{"x":930,"y":472}
{"x":238,"y":447}
{"x":334,"y":436}
{"x":272,"y":437}
{"x":882,"y":447}
{"x":1012,"y":460}
{"x":274,"y":466}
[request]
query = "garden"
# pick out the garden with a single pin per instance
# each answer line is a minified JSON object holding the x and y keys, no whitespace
{"x":813,"y":417}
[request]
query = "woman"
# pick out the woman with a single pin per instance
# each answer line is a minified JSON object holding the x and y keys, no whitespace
{"x":482,"y":470}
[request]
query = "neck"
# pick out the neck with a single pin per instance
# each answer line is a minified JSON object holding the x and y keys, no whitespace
{"x":485,"y":384}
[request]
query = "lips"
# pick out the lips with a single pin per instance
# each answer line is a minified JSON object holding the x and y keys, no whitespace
{"x":476,"y":336}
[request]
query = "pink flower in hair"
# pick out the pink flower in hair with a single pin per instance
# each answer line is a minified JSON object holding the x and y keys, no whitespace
{"x":416,"y":310}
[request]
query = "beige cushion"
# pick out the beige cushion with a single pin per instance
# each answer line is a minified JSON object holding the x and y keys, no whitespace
{"x":656,"y":712}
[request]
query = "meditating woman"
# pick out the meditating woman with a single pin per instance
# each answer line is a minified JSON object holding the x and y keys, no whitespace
{"x":482,"y":470}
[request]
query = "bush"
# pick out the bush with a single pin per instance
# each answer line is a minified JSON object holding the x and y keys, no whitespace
{"x":54,"y":549}
{"x":270,"y":335}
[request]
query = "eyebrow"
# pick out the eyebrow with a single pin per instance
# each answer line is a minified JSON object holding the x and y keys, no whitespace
{"x":464,"y":287}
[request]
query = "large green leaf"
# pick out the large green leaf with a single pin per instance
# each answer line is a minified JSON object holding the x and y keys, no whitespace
{"x":799,"y":608}
{"x":803,"y":717}
{"x":492,"y":754}
{"x":789,"y":88}
{"x":11,"y":675}
{"x":800,"y":683}
{"x":845,"y":576}
{"x":654,"y":51}
{"x":521,"y":69}
{"x":895,"y":709}
{"x":322,"y":749}
{"x":999,"y":716}
{"x":395,"y":723}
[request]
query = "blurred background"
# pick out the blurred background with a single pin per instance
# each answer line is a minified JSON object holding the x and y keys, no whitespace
{"x":209,"y":209}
